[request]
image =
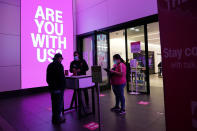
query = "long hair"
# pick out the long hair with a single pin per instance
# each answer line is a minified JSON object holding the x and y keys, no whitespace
{"x":117,"y":56}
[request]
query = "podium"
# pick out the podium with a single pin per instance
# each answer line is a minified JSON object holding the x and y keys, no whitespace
{"x":79,"y":83}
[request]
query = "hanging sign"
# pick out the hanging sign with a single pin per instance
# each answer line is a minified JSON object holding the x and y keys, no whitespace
{"x":135,"y":47}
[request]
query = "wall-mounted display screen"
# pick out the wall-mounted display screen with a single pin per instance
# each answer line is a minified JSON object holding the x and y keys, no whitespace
{"x":46,"y":29}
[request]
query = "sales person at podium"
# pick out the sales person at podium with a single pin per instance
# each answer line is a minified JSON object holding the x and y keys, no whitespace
{"x":56,"y":82}
{"x":79,"y":67}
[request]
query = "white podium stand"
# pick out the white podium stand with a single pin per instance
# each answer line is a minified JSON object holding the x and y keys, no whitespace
{"x":78,"y":83}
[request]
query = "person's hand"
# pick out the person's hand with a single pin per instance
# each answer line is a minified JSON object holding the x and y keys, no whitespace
{"x":112,"y":71}
{"x":74,"y":71}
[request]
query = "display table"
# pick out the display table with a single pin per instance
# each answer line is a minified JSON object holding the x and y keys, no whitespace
{"x":79,"y":83}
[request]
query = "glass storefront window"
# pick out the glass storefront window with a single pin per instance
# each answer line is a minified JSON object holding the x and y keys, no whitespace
{"x":154,"y":47}
{"x":137,"y":59}
{"x":117,"y":45}
{"x":88,"y":53}
{"x":102,"y":57}
{"x":138,"y":75}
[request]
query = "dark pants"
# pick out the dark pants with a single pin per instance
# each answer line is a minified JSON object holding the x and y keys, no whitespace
{"x":86,"y":96}
{"x":119,"y":94}
{"x":57,"y":99}
{"x":160,"y":71}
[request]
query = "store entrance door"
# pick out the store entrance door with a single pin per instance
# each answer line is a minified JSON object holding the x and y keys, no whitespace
{"x":138,"y":45}
{"x":154,"y":57}
{"x":102,"y":56}
{"x":137,"y":63}
{"x":95,"y":50}
{"x":130,"y":45}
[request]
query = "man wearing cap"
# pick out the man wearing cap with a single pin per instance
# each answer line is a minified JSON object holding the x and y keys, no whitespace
{"x":56,"y":85}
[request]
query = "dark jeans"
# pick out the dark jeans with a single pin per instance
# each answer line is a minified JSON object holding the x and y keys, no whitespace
{"x":57,"y":99}
{"x":160,"y":71}
{"x":119,"y":94}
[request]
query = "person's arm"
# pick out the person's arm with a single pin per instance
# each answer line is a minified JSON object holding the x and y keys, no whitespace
{"x":86,"y":68}
{"x":71,"y":67}
{"x":49,"y":76}
{"x":117,"y":72}
{"x":62,"y":76}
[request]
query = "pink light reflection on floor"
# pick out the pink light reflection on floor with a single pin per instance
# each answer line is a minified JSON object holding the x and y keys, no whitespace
{"x":160,"y":113}
{"x":143,"y":103}
{"x":92,"y":126}
{"x":101,"y":95}
{"x":68,"y":94}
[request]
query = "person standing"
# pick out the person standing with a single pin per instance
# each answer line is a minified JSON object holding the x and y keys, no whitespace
{"x":79,"y":67}
{"x":160,"y":68}
{"x":56,"y":85}
{"x":118,"y":81}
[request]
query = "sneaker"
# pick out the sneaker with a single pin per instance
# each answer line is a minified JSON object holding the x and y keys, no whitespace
{"x":115,"y":108}
{"x":122,"y":111}
{"x":62,"y":119}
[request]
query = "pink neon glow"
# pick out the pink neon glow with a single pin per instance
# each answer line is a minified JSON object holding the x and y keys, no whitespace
{"x":143,"y":103}
{"x":33,"y":69}
{"x":92,"y":126}
{"x":49,"y":108}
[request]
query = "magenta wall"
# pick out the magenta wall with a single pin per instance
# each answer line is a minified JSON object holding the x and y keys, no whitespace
{"x":97,"y":14}
{"x":9,"y":45}
{"x":177,"y":19}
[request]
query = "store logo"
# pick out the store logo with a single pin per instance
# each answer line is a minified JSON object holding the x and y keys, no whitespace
{"x":49,"y":38}
{"x":173,"y":4}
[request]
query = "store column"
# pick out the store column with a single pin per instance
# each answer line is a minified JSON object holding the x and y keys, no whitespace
{"x":178,"y":30}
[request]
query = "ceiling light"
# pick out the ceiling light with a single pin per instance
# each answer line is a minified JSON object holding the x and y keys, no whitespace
{"x":137,"y":30}
{"x":132,"y":28}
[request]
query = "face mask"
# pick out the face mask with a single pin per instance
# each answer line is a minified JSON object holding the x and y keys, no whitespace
{"x":115,"y":62}
{"x":76,"y":58}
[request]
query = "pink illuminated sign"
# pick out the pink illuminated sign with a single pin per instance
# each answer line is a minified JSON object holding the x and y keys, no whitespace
{"x":92,"y":126}
{"x":143,"y":103}
{"x":135,"y":47}
{"x":46,"y":29}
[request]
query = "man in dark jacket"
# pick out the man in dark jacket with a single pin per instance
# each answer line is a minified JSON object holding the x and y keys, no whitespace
{"x":80,"y":67}
{"x":56,"y":84}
